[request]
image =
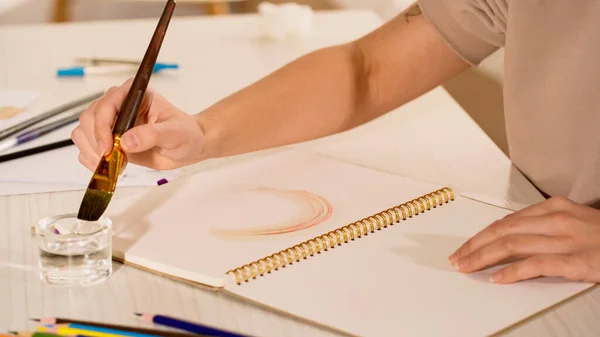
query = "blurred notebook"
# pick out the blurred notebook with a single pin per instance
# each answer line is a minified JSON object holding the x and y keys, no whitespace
{"x":384,"y":271}
{"x":13,"y":103}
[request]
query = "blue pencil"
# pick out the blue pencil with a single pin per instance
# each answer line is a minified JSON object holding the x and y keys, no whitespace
{"x":187,"y":326}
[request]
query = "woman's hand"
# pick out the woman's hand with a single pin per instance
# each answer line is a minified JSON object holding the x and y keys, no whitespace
{"x":163,"y":137}
{"x":554,"y":238}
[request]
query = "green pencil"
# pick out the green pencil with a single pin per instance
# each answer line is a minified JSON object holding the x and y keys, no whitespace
{"x":33,"y":334}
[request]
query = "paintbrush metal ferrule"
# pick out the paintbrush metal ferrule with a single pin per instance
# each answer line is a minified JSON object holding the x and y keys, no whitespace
{"x":104,"y":180}
{"x":103,"y":183}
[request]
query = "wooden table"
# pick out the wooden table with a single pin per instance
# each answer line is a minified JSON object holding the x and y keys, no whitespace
{"x":430,"y":138}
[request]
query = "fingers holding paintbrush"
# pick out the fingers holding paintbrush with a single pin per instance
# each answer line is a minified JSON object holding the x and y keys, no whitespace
{"x":164,"y":137}
{"x":105,"y":114}
{"x":94,"y":135}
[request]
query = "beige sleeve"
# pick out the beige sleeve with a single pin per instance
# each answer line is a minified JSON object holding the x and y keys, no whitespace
{"x":473,"y":28}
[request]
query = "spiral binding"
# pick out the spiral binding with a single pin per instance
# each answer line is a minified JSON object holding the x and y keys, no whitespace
{"x":342,"y":235}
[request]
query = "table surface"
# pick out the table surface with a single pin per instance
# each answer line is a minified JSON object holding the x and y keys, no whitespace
{"x":431,"y":139}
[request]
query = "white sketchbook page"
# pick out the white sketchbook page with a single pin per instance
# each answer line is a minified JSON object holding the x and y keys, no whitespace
{"x":397,"y":282}
{"x":62,"y":167}
{"x":171,"y":228}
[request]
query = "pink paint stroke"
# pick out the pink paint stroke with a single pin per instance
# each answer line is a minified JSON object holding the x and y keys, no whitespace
{"x":320,"y":208}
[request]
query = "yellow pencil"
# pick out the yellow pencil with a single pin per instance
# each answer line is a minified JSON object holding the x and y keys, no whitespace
{"x":84,"y":330}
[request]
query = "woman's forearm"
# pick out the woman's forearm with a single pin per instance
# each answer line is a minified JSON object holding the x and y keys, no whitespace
{"x":313,"y":96}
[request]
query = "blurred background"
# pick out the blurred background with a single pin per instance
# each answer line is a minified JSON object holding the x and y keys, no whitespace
{"x":478,"y":91}
{"x":37,"y":11}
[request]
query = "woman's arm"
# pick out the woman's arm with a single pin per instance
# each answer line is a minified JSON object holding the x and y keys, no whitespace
{"x":333,"y":89}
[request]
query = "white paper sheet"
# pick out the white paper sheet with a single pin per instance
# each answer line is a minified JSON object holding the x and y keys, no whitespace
{"x":32,"y":188}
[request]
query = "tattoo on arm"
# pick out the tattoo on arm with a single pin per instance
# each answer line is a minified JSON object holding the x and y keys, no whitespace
{"x":413,"y":10}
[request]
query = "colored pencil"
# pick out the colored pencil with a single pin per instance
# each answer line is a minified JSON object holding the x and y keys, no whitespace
{"x":58,"y":320}
{"x":33,"y":334}
{"x":100,"y":60}
{"x":34,"y":120}
{"x":90,"y":331}
{"x":40,"y":334}
{"x":187,"y":326}
{"x":38,"y":132}
{"x":36,"y":150}
{"x":96,"y":61}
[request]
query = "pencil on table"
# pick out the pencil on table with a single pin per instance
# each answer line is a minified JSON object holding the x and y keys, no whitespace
{"x":31,"y":334}
{"x":187,"y":326}
{"x":89,"y":331}
{"x":163,"y":333}
{"x":36,"y":150}
{"x":38,"y":132}
{"x":4,"y":134}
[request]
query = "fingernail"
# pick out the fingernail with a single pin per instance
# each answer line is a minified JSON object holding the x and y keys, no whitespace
{"x":100,"y":148}
{"x":494,"y":278}
{"x":452,"y":258}
{"x":129,"y":141}
{"x":461,"y":264}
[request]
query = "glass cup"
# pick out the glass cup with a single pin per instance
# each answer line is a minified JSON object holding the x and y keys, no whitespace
{"x":73,"y":252}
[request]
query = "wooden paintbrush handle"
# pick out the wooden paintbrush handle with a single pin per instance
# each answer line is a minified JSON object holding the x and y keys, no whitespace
{"x":133,"y":101}
{"x":129,"y":111}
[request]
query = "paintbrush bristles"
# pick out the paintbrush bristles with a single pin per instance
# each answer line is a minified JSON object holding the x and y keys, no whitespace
{"x":103,"y":183}
{"x":94,"y":204}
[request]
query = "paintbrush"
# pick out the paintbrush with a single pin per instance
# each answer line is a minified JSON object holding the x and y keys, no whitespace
{"x":104,"y":180}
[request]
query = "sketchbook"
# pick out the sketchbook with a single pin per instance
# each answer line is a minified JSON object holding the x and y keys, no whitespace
{"x":343,"y":246}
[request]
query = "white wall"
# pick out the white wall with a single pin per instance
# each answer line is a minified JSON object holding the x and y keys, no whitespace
{"x":40,"y":11}
{"x":25,"y":11}
{"x":386,"y":9}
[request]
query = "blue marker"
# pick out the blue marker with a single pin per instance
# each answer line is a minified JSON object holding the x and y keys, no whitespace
{"x":81,"y":71}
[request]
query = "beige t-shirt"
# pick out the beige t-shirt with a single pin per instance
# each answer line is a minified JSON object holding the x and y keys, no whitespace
{"x":551,"y":82}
